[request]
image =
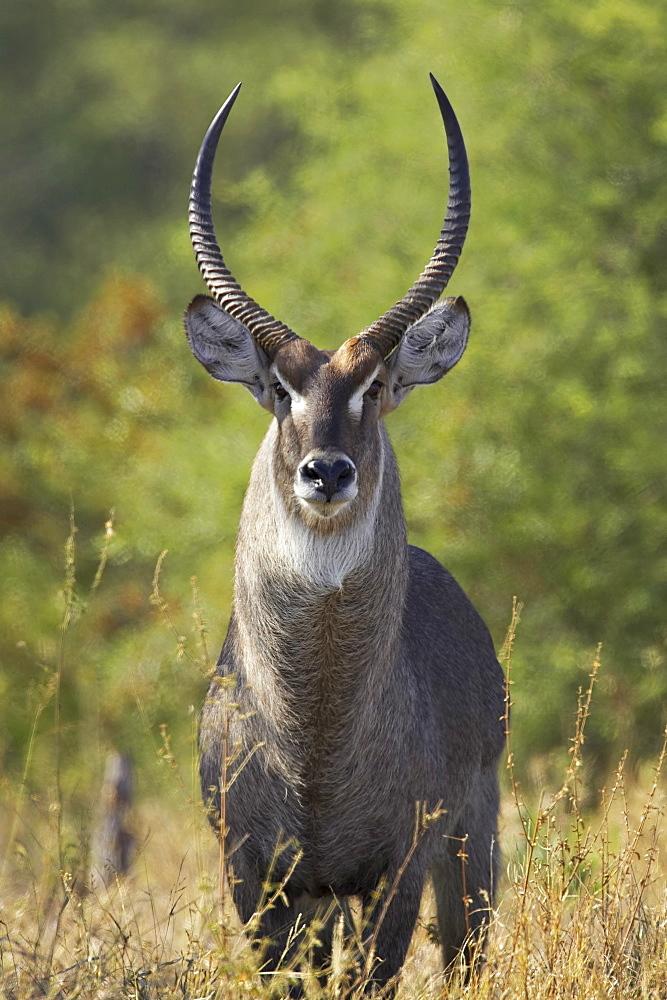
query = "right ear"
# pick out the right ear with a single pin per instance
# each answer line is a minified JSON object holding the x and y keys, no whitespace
{"x":226,"y":348}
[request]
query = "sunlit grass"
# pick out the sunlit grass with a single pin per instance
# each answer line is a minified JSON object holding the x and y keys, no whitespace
{"x":581,"y":910}
{"x":581,"y":913}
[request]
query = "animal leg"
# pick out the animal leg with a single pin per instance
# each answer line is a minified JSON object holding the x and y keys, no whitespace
{"x":389,"y":927}
{"x":321,"y":917}
{"x":464,"y":879}
{"x":269,"y":923}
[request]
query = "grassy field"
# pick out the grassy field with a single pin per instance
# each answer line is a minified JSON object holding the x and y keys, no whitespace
{"x":537,"y":469}
{"x":581,"y":910}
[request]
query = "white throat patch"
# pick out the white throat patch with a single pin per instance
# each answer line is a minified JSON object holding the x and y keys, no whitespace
{"x":323,"y":560}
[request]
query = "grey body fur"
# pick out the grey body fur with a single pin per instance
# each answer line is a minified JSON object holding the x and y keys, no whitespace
{"x":365,"y":695}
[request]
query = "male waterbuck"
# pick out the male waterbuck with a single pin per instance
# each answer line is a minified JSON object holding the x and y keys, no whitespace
{"x":365,"y":687}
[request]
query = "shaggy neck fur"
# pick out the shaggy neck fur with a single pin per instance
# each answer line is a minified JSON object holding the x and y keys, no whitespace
{"x":318,"y":612}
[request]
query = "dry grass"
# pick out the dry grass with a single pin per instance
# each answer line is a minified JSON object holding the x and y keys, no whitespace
{"x":581,"y":911}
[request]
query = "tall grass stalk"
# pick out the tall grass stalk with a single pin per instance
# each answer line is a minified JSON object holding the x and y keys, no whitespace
{"x":580,"y":912}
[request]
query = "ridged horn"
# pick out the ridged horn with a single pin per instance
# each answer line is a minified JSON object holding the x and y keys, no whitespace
{"x":267,"y":331}
{"x":386,"y":332}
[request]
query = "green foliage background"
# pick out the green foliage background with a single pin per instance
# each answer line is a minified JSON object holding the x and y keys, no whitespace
{"x":536,"y":469}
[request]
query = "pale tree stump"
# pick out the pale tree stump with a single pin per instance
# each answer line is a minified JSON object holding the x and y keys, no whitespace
{"x":113,"y":843}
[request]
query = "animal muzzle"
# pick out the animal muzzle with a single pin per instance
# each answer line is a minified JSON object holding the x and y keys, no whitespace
{"x":326,"y":478}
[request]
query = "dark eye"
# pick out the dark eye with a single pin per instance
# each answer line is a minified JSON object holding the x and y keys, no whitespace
{"x":280,"y":391}
{"x":374,"y":389}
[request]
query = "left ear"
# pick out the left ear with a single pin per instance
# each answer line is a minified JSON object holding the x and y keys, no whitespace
{"x":429,"y":349}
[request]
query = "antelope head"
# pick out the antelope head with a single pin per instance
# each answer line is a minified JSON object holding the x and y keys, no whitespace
{"x":329,"y":404}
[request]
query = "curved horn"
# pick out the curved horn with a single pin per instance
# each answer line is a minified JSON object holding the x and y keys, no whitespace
{"x":267,"y":331}
{"x":386,"y":332}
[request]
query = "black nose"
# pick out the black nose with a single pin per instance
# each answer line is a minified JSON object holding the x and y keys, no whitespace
{"x":329,"y":478}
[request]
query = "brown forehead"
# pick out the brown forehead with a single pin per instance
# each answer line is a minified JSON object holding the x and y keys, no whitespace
{"x":352,"y":364}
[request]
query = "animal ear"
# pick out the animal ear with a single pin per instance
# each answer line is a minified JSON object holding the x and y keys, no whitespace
{"x":429,"y":349}
{"x":225,"y":347}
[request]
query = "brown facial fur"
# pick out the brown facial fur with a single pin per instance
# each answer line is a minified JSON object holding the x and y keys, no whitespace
{"x":320,"y":421}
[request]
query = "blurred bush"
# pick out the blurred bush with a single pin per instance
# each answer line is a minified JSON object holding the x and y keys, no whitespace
{"x":536,"y":469}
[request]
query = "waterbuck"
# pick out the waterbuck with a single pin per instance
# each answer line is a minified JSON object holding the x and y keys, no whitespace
{"x":365,"y":687}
